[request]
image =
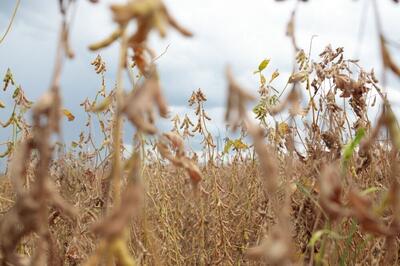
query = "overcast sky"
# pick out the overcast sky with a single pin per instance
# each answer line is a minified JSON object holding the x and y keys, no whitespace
{"x":241,"y":33}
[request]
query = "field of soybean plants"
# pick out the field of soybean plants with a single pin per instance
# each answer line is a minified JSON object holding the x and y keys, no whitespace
{"x":305,"y":169}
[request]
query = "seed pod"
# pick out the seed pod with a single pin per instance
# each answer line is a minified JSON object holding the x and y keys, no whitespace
{"x":8,"y":78}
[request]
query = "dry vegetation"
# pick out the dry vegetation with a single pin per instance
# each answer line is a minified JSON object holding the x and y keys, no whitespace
{"x":311,"y":180}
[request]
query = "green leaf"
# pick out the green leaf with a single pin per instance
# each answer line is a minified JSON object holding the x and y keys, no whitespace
{"x":228,"y":146}
{"x":263,"y":65}
{"x":239,"y":145}
{"x":349,"y":148}
{"x":74,"y":144}
{"x":263,"y":80}
{"x":16,"y":92}
{"x":370,"y":190}
{"x":273,"y":100}
{"x":315,"y":237}
{"x":236,"y":144}
{"x":318,"y":234}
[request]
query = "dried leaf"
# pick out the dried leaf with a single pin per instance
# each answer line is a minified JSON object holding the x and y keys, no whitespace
{"x":274,"y":75}
{"x":179,"y":159}
{"x":138,"y":106}
{"x":106,"y":42}
{"x":362,"y":210}
{"x":237,"y":101}
{"x":298,"y":77}
{"x":330,"y":192}
{"x":275,"y":248}
{"x":68,"y":114}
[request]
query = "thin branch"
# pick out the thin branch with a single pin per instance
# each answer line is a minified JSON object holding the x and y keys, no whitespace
{"x":160,"y":55}
{"x":11,"y":21}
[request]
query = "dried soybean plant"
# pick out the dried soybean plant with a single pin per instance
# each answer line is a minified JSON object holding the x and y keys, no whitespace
{"x":17,"y":121}
{"x":113,"y":229}
{"x":93,"y":145}
{"x":150,"y":14}
{"x":387,"y":59}
{"x":276,"y":248}
{"x":197,"y":100}
{"x":30,"y":212}
{"x":323,"y":189}
{"x":179,"y":159}
{"x":137,"y":106}
{"x":331,"y":78}
{"x":331,"y":192}
{"x":388,"y":62}
{"x":141,"y":102}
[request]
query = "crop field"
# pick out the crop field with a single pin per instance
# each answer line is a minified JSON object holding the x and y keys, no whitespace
{"x":308,"y":174}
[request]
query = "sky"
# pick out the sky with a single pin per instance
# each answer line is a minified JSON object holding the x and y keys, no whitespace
{"x":238,"y":33}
